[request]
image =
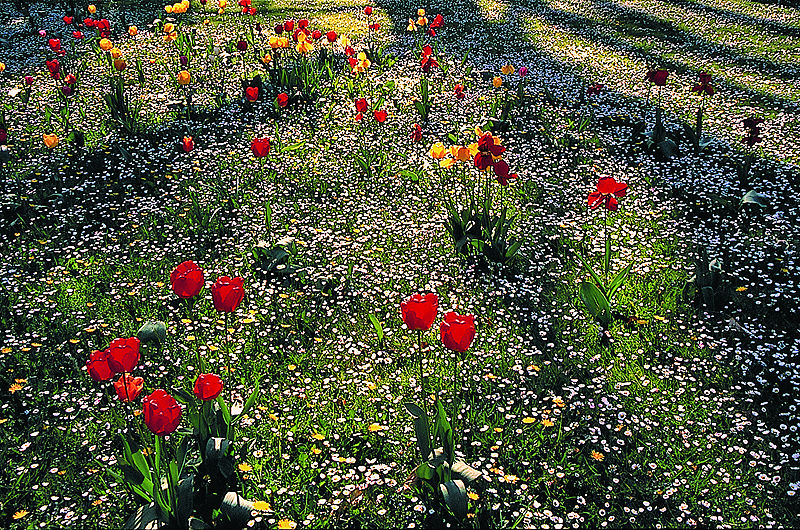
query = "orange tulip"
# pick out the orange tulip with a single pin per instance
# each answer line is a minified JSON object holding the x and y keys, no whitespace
{"x":50,"y":140}
{"x":105,"y":45}
{"x":184,"y":77}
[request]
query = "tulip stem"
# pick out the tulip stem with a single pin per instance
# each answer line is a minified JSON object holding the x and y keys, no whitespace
{"x":607,"y":249}
{"x":422,"y":376}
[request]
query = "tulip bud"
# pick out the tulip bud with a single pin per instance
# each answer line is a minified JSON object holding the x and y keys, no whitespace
{"x":28,"y":80}
{"x":120,"y":64}
{"x":66,"y":90}
{"x":5,"y":155}
{"x":184,"y":60}
{"x":92,"y":9}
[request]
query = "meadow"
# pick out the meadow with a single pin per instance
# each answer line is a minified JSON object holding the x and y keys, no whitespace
{"x":334,"y":263}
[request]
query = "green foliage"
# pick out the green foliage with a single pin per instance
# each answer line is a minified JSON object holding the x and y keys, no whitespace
{"x":475,"y":231}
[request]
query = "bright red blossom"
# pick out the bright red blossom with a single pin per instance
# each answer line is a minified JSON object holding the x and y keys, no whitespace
{"x":187,"y":279}
{"x":123,"y":354}
{"x":419,"y":311}
{"x":161,"y":412}
{"x":97,"y":366}
{"x":207,"y":387}
{"x":260,"y":147}
{"x":251,"y":93}
{"x":608,"y":190}
{"x":457,"y":331}
{"x":227,"y":294}
{"x":282,"y":99}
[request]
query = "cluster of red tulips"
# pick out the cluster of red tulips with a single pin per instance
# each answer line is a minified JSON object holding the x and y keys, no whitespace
{"x":457,"y":331}
{"x":160,"y":410}
{"x":362,"y":107}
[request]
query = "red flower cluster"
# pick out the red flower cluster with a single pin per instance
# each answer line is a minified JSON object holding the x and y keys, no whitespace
{"x":457,"y":331}
{"x":247,"y":8}
{"x":595,"y":89}
{"x":704,"y":86}
{"x":103,"y":26}
{"x":752,"y":137}
{"x":488,"y":155}
{"x":361,"y":108}
{"x":55,"y":68}
{"x":426,"y":59}
{"x":607,"y":192}
{"x":657,"y":77}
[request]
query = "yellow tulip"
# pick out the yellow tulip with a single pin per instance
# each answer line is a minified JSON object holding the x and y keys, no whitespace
{"x":120,"y":64}
{"x":223,"y":4}
{"x":169,"y":27}
{"x":507,"y":69}
{"x":266,"y":59}
{"x":497,"y":82}
{"x":105,"y":45}
{"x":184,"y":77}
{"x":303,"y":44}
{"x":185,"y":3}
{"x":133,"y":31}
{"x":116,"y":53}
{"x":473,"y":149}
{"x":2,"y":67}
{"x":437,"y":151}
{"x":420,"y":12}
{"x":50,"y":140}
{"x":168,"y":9}
{"x":92,"y":9}
{"x":447,"y":163}
{"x":412,"y":26}
{"x":344,"y":42}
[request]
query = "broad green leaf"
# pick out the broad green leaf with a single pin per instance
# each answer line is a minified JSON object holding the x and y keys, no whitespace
{"x":421,"y":430}
{"x":236,"y":508}
{"x":223,"y":407}
{"x":753,"y":197}
{"x":593,"y":274}
{"x":618,"y":280}
{"x":455,"y":496}
{"x":596,"y":302}
{"x":425,"y":471}
{"x":185,"y":501}
{"x":462,"y":471}
{"x":146,"y":517}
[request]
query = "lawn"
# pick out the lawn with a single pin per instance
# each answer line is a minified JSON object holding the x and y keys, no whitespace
{"x":634,"y":290}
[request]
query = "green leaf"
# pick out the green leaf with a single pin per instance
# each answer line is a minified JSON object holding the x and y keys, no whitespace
{"x":425,"y":471}
{"x":596,"y":302}
{"x":753,"y":197}
{"x":293,"y":147}
{"x":236,"y":508}
{"x":462,"y":471}
{"x":618,"y":280}
{"x":145,"y":517}
{"x":593,"y":274}
{"x":185,"y":501}
{"x":153,"y":331}
{"x":444,"y":431}
{"x":223,"y":407}
{"x":377,"y":325}
{"x":251,"y":400}
{"x":421,"y":430}
{"x":455,"y":496}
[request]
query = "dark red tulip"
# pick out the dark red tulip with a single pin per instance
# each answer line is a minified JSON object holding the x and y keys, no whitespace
{"x":227,"y":294}
{"x":501,"y":172}
{"x":3,"y":136}
{"x":54,"y":67}
{"x":316,"y":34}
{"x":128,"y":387}
{"x":419,"y":311}
{"x":416,"y":133}
{"x":288,"y":25}
{"x":260,"y":147}
{"x":459,"y":91}
{"x":241,"y":45}
{"x":187,"y":279}
{"x":187,"y":144}
{"x":123,"y":354}
{"x":161,"y":412}
{"x":594,"y":89}
{"x":375,"y":27}
{"x":207,"y":387}
{"x":361,"y":105}
{"x":251,"y":93}
{"x":88,"y":22}
{"x":368,"y":10}
{"x":97,"y":366}
{"x":282,"y":99}
{"x":457,"y":331}
{"x":331,"y":36}
{"x":657,"y":77}
{"x":608,"y":190}
{"x":302,"y":23}
{"x":279,"y":29}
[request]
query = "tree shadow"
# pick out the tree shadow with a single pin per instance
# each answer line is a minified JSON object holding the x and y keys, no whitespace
{"x":758,"y":24}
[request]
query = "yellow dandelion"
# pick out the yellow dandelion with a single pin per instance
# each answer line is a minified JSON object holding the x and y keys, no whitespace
{"x":498,"y":429}
{"x":286,"y":524}
{"x":13,"y":388}
{"x":741,"y":289}
{"x":315,"y":450}
{"x":547,"y":423}
{"x":598,"y":455}
{"x":374,"y":427}
{"x":473,"y":496}
{"x":291,"y":367}
{"x":261,"y":506}
{"x":318,"y":436}
{"x":528,"y":420}
{"x":20,"y":514}
{"x":244,"y":467}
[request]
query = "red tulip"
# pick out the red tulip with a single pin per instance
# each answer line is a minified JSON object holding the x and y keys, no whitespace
{"x":77,"y":35}
{"x":55,"y":44}
{"x":380,"y":115}
{"x":67,"y":20}
{"x":316,"y":35}
{"x":349,"y":51}
{"x":459,"y":91}
{"x":302,"y":23}
{"x":657,"y":77}
{"x":251,"y":93}
{"x":278,"y":28}
{"x":288,"y":25}
{"x":375,"y":27}
{"x":207,"y":386}
{"x":187,"y":279}
{"x":416,"y":133}
{"x":438,"y":22}
{"x":331,"y":36}
{"x":282,"y":99}
{"x":595,"y":89}
{"x":361,"y":105}
{"x":123,"y":354}
{"x":88,"y":22}
{"x":97,"y":366}
{"x":54,"y":66}
{"x":368,"y":10}
{"x":227,"y":294}
{"x":133,"y":384}
{"x":457,"y":331}
{"x":419,"y":311}
{"x":607,"y":191}
{"x":70,"y":79}
{"x":161,"y":412}
{"x":3,"y":136}
{"x":187,"y":143}
{"x":260,"y":147}
{"x":253,"y":11}
{"x":502,"y":171}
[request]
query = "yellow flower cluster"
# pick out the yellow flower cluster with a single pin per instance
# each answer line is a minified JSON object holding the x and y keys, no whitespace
{"x":304,"y":44}
{"x":177,"y":8}
{"x":276,"y":42}
{"x":170,"y":33}
{"x":362,"y":63}
{"x":458,"y":153}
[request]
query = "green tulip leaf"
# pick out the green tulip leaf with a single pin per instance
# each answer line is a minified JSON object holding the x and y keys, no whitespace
{"x":455,"y":496}
{"x":596,"y":302}
{"x":753,"y":197}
